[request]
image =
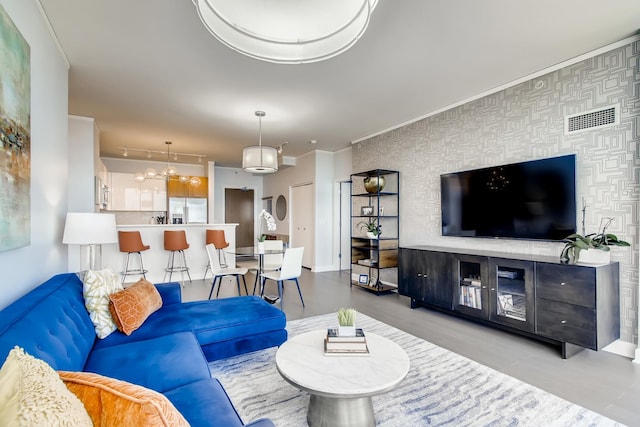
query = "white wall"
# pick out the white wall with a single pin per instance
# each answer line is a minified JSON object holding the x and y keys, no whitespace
{"x":84,"y":141}
{"x":25,"y":268}
{"x":324,"y":213}
{"x":342,"y":170}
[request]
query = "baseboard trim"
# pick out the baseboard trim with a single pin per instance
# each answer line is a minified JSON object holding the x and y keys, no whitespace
{"x":623,"y":348}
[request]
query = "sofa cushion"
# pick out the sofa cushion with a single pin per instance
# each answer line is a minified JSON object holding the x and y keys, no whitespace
{"x":160,"y":363}
{"x":112,"y":402}
{"x":205,"y":402}
{"x":50,"y":323}
{"x":232,"y":318}
{"x":98,"y":285}
{"x":32,"y":394}
{"x":222,"y":322}
{"x":130,"y":307}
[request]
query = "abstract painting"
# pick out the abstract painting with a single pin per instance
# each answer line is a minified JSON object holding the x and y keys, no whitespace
{"x":15,"y":136}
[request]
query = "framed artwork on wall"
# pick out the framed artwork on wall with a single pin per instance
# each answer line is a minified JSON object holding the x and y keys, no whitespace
{"x":15,"y":136}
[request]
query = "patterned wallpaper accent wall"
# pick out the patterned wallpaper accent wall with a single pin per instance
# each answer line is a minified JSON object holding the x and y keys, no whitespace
{"x":524,"y":123}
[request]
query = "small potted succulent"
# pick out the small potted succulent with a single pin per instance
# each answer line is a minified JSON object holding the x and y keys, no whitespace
{"x":347,"y":322}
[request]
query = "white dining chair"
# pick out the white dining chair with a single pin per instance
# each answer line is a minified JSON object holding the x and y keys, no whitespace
{"x":219,"y":273}
{"x":291,"y":269}
{"x":271,"y":262}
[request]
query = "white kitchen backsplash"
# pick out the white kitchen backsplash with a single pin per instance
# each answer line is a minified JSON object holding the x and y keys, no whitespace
{"x":137,"y":217}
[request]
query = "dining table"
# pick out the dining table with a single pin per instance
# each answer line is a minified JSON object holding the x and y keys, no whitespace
{"x":251,"y":252}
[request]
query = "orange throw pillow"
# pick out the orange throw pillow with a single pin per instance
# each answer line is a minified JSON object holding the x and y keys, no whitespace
{"x":131,"y":307}
{"x":112,"y":402}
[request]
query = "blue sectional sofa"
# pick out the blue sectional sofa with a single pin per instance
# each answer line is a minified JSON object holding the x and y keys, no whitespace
{"x":169,"y":353}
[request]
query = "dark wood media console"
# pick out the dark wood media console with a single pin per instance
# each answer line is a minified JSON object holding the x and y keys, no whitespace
{"x":574,"y":306}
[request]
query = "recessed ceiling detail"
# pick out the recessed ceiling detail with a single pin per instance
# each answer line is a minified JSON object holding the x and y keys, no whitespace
{"x":287,"y":31}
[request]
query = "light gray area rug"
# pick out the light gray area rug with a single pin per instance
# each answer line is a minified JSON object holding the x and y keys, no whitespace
{"x":442,"y":388}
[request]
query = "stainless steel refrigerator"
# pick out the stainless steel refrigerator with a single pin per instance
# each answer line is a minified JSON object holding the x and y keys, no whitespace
{"x":184,"y":210}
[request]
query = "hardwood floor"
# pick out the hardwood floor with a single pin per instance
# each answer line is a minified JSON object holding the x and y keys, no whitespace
{"x":603,"y":382}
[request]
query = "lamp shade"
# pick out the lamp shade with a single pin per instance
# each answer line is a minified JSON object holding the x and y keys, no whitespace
{"x":259,"y":159}
{"x":84,"y":228}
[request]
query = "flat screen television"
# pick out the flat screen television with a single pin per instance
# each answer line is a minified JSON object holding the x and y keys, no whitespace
{"x":527,"y":200}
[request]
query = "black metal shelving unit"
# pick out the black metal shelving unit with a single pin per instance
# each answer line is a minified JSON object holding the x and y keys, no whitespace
{"x":374,"y":260}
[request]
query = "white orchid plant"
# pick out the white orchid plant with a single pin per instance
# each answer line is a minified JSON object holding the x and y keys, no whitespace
{"x":269,"y":220}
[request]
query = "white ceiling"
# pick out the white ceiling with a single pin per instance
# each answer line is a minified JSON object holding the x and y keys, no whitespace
{"x":148,"y":71}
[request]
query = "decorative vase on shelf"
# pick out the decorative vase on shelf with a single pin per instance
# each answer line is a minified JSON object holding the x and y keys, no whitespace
{"x":260,"y":247}
{"x":374,"y":184}
{"x":370,"y":235}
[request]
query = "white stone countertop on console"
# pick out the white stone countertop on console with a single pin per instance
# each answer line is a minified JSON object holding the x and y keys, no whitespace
{"x":155,"y":259}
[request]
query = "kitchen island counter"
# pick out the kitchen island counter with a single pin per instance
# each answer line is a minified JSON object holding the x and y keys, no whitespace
{"x":155,"y":259}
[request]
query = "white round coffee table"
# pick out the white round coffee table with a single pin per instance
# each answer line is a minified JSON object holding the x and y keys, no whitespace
{"x":341,"y":386}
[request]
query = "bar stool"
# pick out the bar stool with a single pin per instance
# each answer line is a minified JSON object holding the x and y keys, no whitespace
{"x":176,"y":241}
{"x":217,"y":239}
{"x":131,"y":243}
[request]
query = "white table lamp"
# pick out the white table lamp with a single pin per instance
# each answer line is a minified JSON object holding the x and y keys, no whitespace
{"x":90,"y":230}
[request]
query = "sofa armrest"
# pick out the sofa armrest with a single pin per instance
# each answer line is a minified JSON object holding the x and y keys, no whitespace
{"x":170,"y":292}
{"x":262,"y":422}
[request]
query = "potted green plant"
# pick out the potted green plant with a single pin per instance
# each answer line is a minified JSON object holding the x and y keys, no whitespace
{"x":592,"y":248}
{"x":371,"y":227}
{"x":347,"y":322}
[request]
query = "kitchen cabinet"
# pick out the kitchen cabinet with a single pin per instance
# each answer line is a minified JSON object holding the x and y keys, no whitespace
{"x":127,"y":194}
{"x":179,"y":188}
{"x":153,"y":195}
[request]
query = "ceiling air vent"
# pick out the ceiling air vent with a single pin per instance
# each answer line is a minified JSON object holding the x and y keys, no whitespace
{"x":594,"y":119}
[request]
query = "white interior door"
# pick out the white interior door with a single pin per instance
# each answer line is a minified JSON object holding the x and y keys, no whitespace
{"x":302,"y":222}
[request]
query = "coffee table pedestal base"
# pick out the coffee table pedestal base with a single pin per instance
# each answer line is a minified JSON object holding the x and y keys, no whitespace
{"x":340,"y":412}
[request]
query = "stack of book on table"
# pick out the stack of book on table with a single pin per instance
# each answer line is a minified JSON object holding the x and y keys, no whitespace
{"x":337,"y":345}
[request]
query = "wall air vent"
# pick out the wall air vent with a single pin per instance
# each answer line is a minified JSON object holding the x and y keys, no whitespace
{"x":594,"y":119}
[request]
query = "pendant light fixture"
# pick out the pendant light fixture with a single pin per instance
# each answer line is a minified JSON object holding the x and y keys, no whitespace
{"x":259,"y":158}
{"x":169,"y":170}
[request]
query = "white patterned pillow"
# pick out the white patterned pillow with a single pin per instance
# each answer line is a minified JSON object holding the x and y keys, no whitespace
{"x":32,"y":394}
{"x":98,"y":285}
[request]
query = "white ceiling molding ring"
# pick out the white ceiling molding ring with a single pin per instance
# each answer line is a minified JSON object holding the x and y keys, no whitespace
{"x":287,"y":31}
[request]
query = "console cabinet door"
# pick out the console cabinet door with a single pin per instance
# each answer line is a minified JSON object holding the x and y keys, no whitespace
{"x":409,"y":263}
{"x":425,"y":277}
{"x":512,"y":300}
{"x":471,"y":295}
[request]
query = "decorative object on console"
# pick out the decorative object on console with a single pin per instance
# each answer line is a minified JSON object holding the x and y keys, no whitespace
{"x":287,"y":32}
{"x":259,"y":158}
{"x":90,"y":230}
{"x":374,"y":184}
{"x":347,"y":322}
{"x":592,"y":248}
